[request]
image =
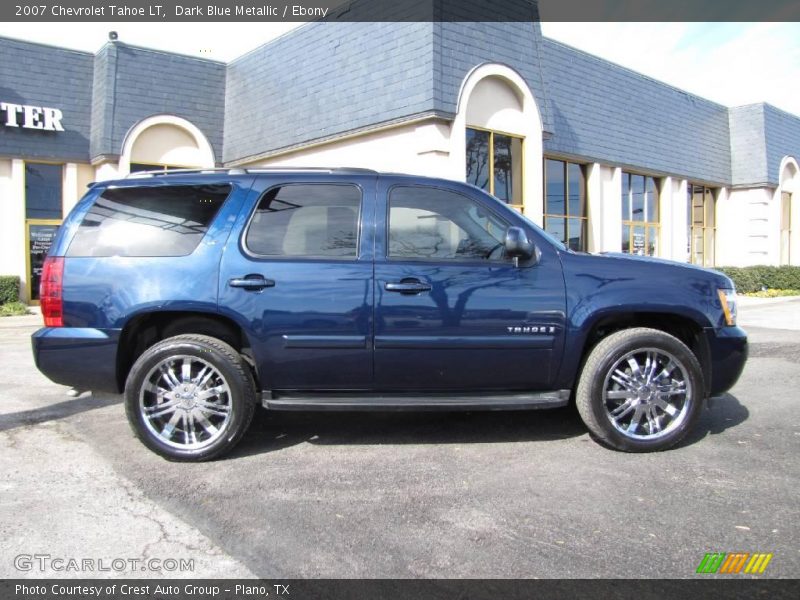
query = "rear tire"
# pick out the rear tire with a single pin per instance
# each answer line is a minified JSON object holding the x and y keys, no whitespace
{"x":190,"y":398}
{"x":640,"y":390}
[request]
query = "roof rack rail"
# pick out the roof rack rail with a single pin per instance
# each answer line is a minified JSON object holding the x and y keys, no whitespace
{"x":243,"y":171}
{"x":165,"y":171}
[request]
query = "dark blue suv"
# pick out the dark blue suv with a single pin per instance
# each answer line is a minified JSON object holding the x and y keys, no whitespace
{"x":202,"y":293}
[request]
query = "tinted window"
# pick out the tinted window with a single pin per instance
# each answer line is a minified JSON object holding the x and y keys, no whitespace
{"x":42,"y":191}
{"x":430,"y":223}
{"x":148,"y":221}
{"x":306,"y":220}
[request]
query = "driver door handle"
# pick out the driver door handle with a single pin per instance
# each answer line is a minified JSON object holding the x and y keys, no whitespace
{"x":407,"y":286}
{"x":251,"y":282}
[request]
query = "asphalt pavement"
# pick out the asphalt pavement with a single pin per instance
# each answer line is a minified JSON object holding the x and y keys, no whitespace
{"x":506,"y":494}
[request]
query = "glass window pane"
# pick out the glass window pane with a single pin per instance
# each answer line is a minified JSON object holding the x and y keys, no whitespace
{"x":516,"y":170}
{"x":709,"y":208}
{"x":575,"y":234}
{"x":148,"y":221}
{"x":556,"y":227}
{"x":430,"y":223}
{"x":638,"y":241}
{"x":626,"y":197}
{"x":556,"y":187}
{"x":651,"y":201}
{"x":576,"y":187}
{"x":709,"y":247}
{"x":306,"y":220}
{"x":786,"y":211}
{"x":637,"y":197}
{"x":478,"y":158}
{"x":43,"y":191}
{"x":503,"y":172}
{"x":652,"y":241}
{"x":626,"y":238}
{"x":697,"y":246}
{"x":697,"y":205}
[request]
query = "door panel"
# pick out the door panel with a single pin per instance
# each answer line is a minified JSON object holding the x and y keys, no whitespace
{"x":463,"y":317}
{"x":310,"y":326}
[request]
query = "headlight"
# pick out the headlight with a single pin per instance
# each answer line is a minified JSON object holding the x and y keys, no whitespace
{"x":727,"y":299}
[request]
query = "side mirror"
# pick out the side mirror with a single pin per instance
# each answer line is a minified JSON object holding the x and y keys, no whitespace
{"x":518,"y":246}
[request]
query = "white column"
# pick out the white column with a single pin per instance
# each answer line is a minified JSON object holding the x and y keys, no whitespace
{"x":680,"y":215}
{"x":70,"y":192}
{"x":12,"y":224}
{"x":721,"y":206}
{"x":666,"y":219}
{"x":594,"y":207}
{"x":611,"y":211}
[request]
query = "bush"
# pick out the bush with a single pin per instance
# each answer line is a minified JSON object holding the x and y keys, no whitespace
{"x":13,"y":309}
{"x":9,"y":289}
{"x":753,"y":279}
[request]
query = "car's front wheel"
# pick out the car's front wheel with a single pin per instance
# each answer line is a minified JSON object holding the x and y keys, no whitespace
{"x":190,"y":398}
{"x":641,"y":390}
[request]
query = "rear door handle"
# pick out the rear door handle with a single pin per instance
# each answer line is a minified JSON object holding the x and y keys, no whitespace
{"x":251,"y":282}
{"x":407,"y":286}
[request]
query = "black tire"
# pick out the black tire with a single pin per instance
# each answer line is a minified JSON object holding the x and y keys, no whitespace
{"x":212,"y":418}
{"x":607,"y":369}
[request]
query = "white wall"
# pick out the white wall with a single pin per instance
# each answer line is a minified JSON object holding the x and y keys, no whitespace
{"x":744,"y":228}
{"x":418,"y":148}
{"x":12,"y":223}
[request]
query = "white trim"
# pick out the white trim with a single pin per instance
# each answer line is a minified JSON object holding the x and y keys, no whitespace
{"x":793,"y":183}
{"x":134,"y":132}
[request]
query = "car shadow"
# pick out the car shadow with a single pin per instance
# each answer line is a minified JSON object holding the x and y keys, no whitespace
{"x":722,"y":413}
{"x":58,"y":411}
{"x":275,"y":430}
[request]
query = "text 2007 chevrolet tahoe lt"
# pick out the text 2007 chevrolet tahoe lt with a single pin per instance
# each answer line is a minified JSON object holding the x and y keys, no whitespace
{"x":202,"y":293}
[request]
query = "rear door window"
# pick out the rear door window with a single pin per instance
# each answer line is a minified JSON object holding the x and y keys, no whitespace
{"x":306,"y":220}
{"x":148,"y":221}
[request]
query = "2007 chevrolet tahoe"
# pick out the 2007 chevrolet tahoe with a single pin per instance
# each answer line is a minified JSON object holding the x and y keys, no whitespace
{"x":201,"y":294}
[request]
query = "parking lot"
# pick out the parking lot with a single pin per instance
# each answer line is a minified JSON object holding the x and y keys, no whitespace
{"x":507,"y":494}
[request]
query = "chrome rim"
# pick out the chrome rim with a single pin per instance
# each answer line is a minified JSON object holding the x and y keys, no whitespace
{"x":185,"y":402}
{"x":647,"y":394}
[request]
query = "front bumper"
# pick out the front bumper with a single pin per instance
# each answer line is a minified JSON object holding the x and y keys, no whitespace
{"x":728,"y":353}
{"x":80,"y":357}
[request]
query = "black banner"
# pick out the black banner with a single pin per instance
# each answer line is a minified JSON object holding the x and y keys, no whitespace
{"x":40,"y":238}
{"x":733,"y":588}
{"x":398,"y":10}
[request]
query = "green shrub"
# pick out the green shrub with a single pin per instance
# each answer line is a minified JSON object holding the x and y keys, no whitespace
{"x":753,"y":279}
{"x":9,"y":289}
{"x":13,"y":309}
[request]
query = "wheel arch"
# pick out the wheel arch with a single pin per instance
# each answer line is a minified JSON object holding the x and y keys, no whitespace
{"x":681,"y":326}
{"x":145,"y":329}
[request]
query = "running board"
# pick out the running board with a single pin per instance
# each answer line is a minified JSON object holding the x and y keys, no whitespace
{"x":392,"y":402}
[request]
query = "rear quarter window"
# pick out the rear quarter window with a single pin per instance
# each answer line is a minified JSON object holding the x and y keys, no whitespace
{"x":148,"y":221}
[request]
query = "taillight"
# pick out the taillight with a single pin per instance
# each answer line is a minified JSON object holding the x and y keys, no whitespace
{"x":50,"y":299}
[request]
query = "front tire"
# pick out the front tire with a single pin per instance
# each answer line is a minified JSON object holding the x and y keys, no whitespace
{"x":190,"y":398}
{"x":640,"y":390}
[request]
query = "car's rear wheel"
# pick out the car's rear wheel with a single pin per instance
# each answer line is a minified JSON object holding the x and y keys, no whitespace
{"x":190,"y":398}
{"x":641,"y":390}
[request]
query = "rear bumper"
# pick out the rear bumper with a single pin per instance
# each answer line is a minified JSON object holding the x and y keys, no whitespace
{"x":728,"y":352}
{"x":82,"y":358}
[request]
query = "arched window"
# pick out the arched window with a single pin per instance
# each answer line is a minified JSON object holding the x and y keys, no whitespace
{"x":165,"y":142}
{"x":496,"y":137}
